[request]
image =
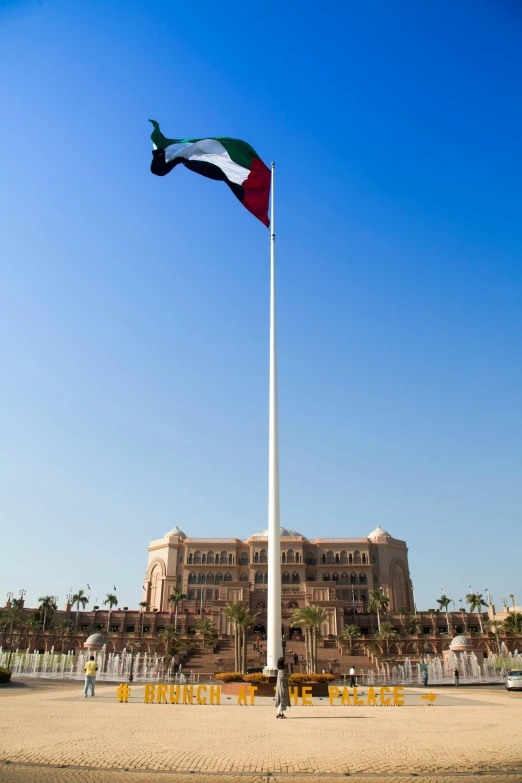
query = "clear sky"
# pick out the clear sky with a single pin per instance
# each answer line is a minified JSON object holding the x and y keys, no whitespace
{"x":134,"y":309}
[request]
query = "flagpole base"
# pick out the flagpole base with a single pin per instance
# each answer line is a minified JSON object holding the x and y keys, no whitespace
{"x":269,"y":672}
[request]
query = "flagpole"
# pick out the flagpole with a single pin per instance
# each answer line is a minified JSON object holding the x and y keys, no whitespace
{"x":274,"y":645}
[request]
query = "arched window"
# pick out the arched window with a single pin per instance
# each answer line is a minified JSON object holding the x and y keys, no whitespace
{"x":297,"y":557}
{"x":336,"y":558}
{"x":203,"y":559}
{"x":210,"y":558}
{"x":323,"y":559}
{"x":356,"y":558}
{"x":228,"y":577}
{"x":197,"y":558}
{"x":210,"y":579}
{"x":353,"y":578}
{"x":363,"y":597}
{"x":295,"y":577}
{"x":345,"y":579}
{"x":201,"y":579}
{"x":262,"y":556}
{"x":243,"y":578}
{"x":192,"y":579}
{"x":283,"y":557}
{"x":310,"y":578}
{"x":309,"y":559}
{"x":223,"y":558}
{"x":243,"y":559}
{"x":335,"y":576}
{"x":231,"y":560}
{"x":350,"y":559}
{"x":219,"y":578}
{"x":290,"y":556}
{"x":362,"y":579}
{"x":364,"y":560}
{"x":260,"y":605}
{"x":266,"y":577}
{"x":293,"y":605}
{"x":286,"y":577}
{"x":190,"y":559}
{"x":344,"y":557}
{"x":259,"y":578}
{"x":256,"y":557}
{"x":326,"y":577}
{"x":330,"y":558}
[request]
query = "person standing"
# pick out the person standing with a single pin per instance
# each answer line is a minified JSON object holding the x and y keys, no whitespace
{"x":282,"y":699}
{"x":90,"y":675}
{"x":425,"y":677}
{"x":457,"y":676}
{"x":353,"y":682}
{"x":296,"y":658}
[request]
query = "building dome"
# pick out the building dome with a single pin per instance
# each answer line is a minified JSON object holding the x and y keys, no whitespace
{"x":176,"y":532}
{"x":461,"y":642}
{"x":283,"y":531}
{"x":378,"y":532}
{"x":95,"y":640}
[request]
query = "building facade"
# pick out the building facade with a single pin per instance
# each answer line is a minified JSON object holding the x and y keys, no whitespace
{"x":335,"y":573}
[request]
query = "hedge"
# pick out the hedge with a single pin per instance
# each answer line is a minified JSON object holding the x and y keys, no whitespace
{"x":295,"y":679}
{"x":5,"y":675}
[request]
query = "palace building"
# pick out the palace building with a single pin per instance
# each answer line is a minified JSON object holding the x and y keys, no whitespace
{"x":335,"y":573}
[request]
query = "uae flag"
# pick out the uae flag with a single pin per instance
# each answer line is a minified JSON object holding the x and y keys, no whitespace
{"x":230,"y":160}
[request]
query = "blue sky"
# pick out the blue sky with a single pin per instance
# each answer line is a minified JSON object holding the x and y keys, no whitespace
{"x":134,"y":310}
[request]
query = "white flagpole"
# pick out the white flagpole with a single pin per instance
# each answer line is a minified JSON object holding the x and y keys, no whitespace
{"x":274,"y":645}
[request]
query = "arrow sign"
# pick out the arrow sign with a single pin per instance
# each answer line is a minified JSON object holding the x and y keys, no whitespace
{"x":430,"y":697}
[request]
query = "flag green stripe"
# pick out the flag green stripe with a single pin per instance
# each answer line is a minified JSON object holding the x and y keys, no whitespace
{"x":239,"y":151}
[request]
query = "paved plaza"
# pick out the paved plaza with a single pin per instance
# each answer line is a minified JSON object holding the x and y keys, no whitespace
{"x":50,"y":733}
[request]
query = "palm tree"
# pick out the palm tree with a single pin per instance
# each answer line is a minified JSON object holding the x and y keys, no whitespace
{"x":349,"y":633}
{"x":170,"y":636}
{"x":310,"y":618}
{"x":111,"y":600}
{"x":204,"y":628}
{"x":475,"y":602}
{"x":513,"y":623}
{"x":377,"y":602}
{"x":246,"y":620}
{"x":30,"y":624}
{"x":144,"y":608}
{"x":235,"y":612}
{"x":10,"y":619}
{"x":47,"y":607}
{"x":79,"y":598}
{"x":64,"y":627}
{"x":413,"y":626}
{"x":176,"y":597}
{"x":386,"y":634}
{"x":444,"y":602}
{"x":496,"y":627}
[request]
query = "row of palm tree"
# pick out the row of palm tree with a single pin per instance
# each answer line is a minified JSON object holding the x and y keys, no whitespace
{"x":242,"y":618}
{"x":310,"y":618}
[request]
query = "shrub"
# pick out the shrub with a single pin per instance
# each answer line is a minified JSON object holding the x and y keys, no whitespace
{"x":256,"y":677}
{"x":5,"y":675}
{"x":229,"y":676}
{"x":296,"y":679}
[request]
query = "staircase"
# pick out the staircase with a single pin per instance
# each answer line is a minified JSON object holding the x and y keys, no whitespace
{"x":223,"y":660}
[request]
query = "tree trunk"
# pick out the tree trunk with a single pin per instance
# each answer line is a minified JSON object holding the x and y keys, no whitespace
{"x":480,"y":620}
{"x":378,"y":619}
{"x":244,"y":650}
{"x":236,"y":646}
{"x":176,"y":615}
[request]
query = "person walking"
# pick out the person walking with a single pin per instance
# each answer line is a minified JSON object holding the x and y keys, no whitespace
{"x":457,"y":676}
{"x":282,"y":699}
{"x":296,"y":658}
{"x":353,"y":682}
{"x":90,"y":675}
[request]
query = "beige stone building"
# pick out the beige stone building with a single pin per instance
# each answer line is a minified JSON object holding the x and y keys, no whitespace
{"x":335,"y":573}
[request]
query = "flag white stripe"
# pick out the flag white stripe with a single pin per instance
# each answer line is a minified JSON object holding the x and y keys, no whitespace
{"x":209,"y":150}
